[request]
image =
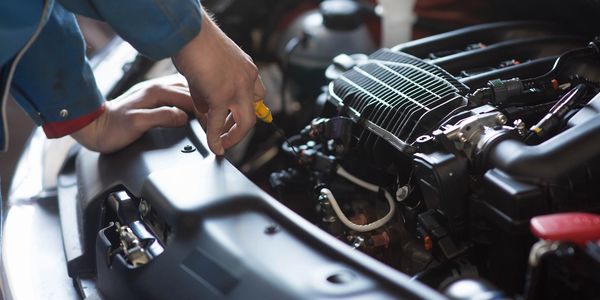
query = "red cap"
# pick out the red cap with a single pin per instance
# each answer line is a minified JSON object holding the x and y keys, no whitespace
{"x":572,"y":227}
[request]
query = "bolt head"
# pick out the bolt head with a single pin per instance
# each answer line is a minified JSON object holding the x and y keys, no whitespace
{"x":323,"y":198}
{"x":501,"y":119}
{"x":272,"y":229}
{"x":144,"y":208}
{"x":402,"y":193}
{"x":188,"y":149}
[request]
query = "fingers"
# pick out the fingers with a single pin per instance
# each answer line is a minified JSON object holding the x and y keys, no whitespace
{"x":229,"y":122}
{"x":244,"y":121}
{"x":242,"y":117}
{"x":169,"y":80}
{"x":161,"y":95}
{"x":154,"y":107}
{"x":164,"y":116}
{"x":215,"y":124}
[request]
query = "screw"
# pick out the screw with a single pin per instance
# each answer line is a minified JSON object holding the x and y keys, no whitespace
{"x":402,"y":193}
{"x":188,"y":149}
{"x":126,"y":67}
{"x":323,"y":198}
{"x":144,"y":208}
{"x":272,"y":229}
{"x":358,"y":242}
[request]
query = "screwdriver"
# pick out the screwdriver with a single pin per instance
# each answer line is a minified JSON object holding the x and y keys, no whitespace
{"x":265,"y":115}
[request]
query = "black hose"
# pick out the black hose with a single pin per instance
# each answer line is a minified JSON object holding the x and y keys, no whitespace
{"x":545,"y":81}
{"x":557,"y":156}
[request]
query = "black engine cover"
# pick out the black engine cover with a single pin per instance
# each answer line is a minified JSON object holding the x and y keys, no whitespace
{"x":226,"y":238}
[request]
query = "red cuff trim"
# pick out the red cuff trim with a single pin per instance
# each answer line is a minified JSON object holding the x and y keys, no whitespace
{"x":62,"y":128}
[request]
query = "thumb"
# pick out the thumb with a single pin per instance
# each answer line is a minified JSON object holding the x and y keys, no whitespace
{"x":163,"y":116}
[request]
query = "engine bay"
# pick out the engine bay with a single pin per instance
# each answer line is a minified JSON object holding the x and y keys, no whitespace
{"x":450,"y":160}
{"x":462,"y":165}
{"x":434,"y":157}
{"x":465,"y":162}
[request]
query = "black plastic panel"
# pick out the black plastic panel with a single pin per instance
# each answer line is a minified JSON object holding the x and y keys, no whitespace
{"x":219,"y":247}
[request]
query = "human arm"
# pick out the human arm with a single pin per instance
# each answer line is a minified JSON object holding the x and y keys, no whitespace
{"x":54,"y":84}
{"x":127,"y":117}
{"x":224,"y":83}
{"x":223,"y":80}
{"x":56,"y":87}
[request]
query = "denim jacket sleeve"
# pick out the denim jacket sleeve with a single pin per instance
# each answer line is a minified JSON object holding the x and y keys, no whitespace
{"x":53,"y":82}
{"x":156,"y":28}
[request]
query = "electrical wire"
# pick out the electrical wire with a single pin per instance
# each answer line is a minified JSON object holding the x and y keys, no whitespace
{"x":13,"y":67}
{"x":553,"y":119}
{"x":368,"y":186}
{"x":356,"y":227}
{"x":280,"y":131}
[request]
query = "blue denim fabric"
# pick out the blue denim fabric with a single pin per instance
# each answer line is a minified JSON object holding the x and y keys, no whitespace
{"x":54,"y":74}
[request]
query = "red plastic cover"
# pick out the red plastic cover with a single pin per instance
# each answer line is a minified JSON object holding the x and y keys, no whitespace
{"x":573,"y":227}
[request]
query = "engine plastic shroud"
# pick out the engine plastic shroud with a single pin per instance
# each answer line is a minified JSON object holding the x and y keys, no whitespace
{"x":219,"y":247}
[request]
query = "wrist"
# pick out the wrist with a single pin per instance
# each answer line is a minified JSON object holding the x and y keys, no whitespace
{"x":199,"y":46}
{"x":87,"y":136}
{"x":69,"y":126}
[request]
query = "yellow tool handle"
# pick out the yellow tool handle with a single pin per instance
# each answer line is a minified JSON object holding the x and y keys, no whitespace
{"x":263,"y":112}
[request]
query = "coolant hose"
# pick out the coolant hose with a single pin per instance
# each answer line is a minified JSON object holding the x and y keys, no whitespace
{"x":366,"y":185}
{"x":356,"y":227}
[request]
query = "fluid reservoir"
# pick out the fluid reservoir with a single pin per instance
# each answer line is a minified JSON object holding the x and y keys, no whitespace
{"x":317,"y":36}
{"x":397,"y":22}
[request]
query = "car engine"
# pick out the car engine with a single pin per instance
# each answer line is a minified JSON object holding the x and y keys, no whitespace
{"x":435,"y":155}
{"x":463,"y":165}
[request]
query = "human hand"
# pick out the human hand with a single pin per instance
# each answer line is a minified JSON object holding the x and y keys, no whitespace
{"x":224,"y":83}
{"x":126,"y":118}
